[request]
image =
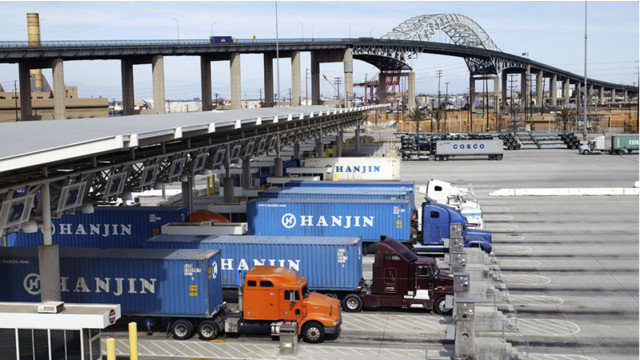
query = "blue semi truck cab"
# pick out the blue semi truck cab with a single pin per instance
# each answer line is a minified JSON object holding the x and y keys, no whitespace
{"x":436,"y":221}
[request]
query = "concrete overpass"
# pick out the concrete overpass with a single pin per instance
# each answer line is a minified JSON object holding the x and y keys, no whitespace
{"x":391,"y":52}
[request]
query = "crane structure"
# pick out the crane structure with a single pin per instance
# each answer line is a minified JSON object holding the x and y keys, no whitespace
{"x":334,"y":91}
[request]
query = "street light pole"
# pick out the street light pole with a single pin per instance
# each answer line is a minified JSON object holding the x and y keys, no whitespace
{"x":212,"y":28}
{"x":302,"y":29}
{"x":178,"y":27}
{"x":584,"y":131}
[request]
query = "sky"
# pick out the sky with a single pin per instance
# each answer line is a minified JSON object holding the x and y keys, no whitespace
{"x":550,"y":32}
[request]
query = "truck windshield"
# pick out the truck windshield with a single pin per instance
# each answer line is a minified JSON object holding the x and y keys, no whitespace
{"x":305,"y":292}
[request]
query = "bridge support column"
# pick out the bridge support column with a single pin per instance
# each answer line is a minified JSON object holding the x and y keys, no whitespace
{"x":157,"y":71}
{"x":524,"y":88}
{"x":315,"y":78}
{"x":25,"y":92}
{"x":236,"y":91}
{"x":205,"y":83}
{"x":268,"y":79}
{"x":613,"y":95}
{"x":348,"y":77}
{"x":382,"y":88}
{"x":59,"y":93}
{"x":565,"y":91}
{"x":578,"y":94}
{"x":127,"y":86}
{"x":590,"y":94}
{"x":411,"y":90}
{"x":626,"y":96}
{"x":601,"y":93}
{"x":553,"y":89}
{"x":504,"y":89}
{"x":296,"y":92}
{"x":339,"y":141}
{"x":539,"y":88}
{"x":472,"y":93}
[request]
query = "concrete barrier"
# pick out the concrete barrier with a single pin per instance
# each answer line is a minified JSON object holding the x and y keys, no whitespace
{"x":567,"y":192}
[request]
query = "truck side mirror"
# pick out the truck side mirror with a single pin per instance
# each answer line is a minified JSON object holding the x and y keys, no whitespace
{"x":291,"y":294}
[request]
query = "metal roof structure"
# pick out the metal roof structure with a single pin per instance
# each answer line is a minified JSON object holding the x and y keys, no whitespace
{"x":97,"y":160}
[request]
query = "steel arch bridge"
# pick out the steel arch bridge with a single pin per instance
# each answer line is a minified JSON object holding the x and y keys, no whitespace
{"x":462,"y":30}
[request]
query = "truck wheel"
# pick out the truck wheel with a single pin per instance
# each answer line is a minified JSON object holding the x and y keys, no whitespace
{"x":352,"y":303}
{"x":499,"y":157}
{"x":439,"y":307}
{"x":586,"y":152}
{"x":313,"y":332}
{"x":208,"y":330}
{"x":182,"y":329}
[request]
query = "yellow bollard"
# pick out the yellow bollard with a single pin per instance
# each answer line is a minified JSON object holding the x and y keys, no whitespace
{"x":326,"y":152}
{"x":346,"y":145}
{"x":208,"y":186}
{"x":111,"y":349}
{"x":133,"y":341}
{"x":333,"y":150}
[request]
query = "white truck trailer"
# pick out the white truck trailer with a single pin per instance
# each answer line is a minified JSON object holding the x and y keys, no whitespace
{"x":448,"y":149}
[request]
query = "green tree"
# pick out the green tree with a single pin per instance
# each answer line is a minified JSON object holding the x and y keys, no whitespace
{"x":416,"y":115}
{"x":564,"y":116}
{"x":437,"y":116}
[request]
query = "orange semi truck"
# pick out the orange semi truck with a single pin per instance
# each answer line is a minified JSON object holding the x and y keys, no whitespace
{"x":278,"y":296}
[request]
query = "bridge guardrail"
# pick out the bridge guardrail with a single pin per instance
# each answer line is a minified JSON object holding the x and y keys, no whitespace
{"x":56,"y":43}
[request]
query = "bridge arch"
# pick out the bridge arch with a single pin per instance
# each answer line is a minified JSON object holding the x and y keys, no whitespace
{"x":461,"y":29}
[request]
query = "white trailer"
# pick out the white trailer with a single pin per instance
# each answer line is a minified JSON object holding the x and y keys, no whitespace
{"x":359,"y":168}
{"x":448,"y":149}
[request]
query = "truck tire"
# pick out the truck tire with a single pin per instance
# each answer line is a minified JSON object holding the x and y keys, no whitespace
{"x":182,"y":329}
{"x":499,"y":157}
{"x":439,"y":307}
{"x":352,"y":303}
{"x":585,"y":152}
{"x":208,"y":330}
{"x":313,"y":332}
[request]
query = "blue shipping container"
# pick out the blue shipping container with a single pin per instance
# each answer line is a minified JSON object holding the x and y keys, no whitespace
{"x":145,"y":282}
{"x":328,"y":263}
{"x":368,"y":219}
{"x":107,"y":227}
{"x":307,"y":192}
{"x":375,"y":184}
{"x":407,"y":186}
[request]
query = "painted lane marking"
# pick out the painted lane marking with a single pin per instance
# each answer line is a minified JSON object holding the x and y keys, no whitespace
{"x":525,"y":279}
{"x":535,"y":300}
{"x":547,"y":327}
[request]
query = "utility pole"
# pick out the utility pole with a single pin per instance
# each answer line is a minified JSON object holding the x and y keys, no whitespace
{"x":446,"y":104}
{"x":337,"y":82}
{"x":511,"y":80}
{"x":484,"y":83}
{"x":290,"y":96}
{"x":15,"y":96}
{"x":439,"y":73}
{"x":261,"y":95}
